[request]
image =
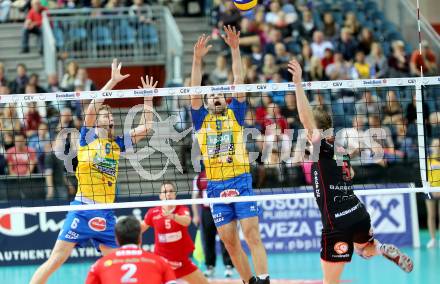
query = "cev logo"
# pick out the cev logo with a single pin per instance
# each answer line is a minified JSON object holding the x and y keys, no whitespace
{"x":15,"y":225}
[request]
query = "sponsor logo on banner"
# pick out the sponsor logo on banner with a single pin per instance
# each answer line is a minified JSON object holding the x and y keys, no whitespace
{"x":229,"y":193}
{"x":223,"y":89}
{"x":107,"y":94}
{"x":374,"y":82}
{"x":65,"y":95}
{"x":337,"y":84}
{"x":387,"y":213}
{"x":78,"y":94}
{"x":98,"y":224}
{"x":28,"y":98}
{"x":411,"y":81}
{"x":341,"y":248}
{"x":23,"y":224}
{"x":184,"y":90}
{"x":291,"y":86}
{"x":261,"y":87}
{"x":143,"y":92}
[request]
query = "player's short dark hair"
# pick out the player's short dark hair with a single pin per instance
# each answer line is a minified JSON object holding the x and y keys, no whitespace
{"x":128,"y":230}
{"x":323,"y":119}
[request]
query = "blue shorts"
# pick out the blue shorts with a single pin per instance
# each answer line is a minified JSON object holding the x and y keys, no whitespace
{"x":224,"y":213}
{"x":95,"y":225}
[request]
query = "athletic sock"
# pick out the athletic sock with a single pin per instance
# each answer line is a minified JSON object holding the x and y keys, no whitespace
{"x":263,"y":276}
{"x":378,"y":245}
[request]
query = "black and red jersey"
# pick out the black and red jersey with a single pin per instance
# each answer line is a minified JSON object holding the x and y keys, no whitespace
{"x":333,"y":188}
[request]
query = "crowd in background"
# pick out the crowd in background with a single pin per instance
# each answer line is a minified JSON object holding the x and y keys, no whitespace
{"x":271,"y":35}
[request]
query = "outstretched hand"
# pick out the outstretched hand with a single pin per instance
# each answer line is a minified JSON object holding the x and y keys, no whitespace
{"x":201,"y":48}
{"x":232,"y":37}
{"x":116,"y":72}
{"x":148,"y":83}
{"x":295,"y":69}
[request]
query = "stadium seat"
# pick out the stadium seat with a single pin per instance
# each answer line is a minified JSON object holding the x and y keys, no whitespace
{"x":147,"y":34}
{"x":124,"y":35}
{"x":101,"y":36}
{"x":59,"y":37}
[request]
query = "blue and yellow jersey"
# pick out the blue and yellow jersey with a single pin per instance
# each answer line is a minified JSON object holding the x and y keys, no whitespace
{"x":98,"y":161}
{"x":434,"y":171}
{"x":221,"y":143}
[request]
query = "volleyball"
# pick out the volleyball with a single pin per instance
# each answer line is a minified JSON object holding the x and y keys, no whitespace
{"x":245,"y":5}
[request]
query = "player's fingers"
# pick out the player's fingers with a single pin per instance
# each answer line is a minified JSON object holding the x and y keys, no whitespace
{"x":209,"y":46}
{"x":119,"y":66}
{"x":234,"y":30}
{"x":125,"y":76}
{"x":142,"y":81}
{"x":155,"y":84}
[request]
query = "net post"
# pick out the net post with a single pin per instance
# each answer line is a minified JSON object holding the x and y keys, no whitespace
{"x":421,"y":136}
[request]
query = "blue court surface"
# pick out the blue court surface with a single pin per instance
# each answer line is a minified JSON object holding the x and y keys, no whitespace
{"x":288,"y":268}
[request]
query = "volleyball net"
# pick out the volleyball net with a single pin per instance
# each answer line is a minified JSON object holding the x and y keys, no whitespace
{"x":390,"y":128}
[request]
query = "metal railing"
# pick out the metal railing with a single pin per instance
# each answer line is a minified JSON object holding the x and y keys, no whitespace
{"x":404,"y":14}
{"x":92,"y":37}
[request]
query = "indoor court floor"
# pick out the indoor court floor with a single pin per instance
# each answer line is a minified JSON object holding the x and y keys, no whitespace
{"x":285,"y":268}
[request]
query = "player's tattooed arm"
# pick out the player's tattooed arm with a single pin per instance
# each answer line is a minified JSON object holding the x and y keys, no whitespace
{"x":146,"y":122}
{"x":303,"y":105}
{"x":201,"y":48}
{"x":92,"y":109}
{"x":232,"y":38}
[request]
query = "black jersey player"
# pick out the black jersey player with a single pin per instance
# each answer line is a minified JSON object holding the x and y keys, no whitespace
{"x":346,"y":222}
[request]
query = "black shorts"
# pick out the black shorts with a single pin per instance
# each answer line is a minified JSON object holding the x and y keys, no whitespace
{"x":337,"y":243}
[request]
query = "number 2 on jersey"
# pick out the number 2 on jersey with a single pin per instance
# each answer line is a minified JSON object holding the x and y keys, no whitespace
{"x":128,"y":276}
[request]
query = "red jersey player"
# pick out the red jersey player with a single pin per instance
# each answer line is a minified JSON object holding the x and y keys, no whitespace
{"x":171,"y":237}
{"x":130,"y":264}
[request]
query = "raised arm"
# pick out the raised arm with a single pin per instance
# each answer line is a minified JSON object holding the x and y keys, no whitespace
{"x":140,"y":132}
{"x":303,"y":105}
{"x":116,"y":77}
{"x":200,"y":50}
{"x":232,"y":38}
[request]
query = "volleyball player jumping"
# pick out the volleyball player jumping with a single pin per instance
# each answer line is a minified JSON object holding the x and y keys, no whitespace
{"x":97,"y":173}
{"x":346,"y":222}
{"x":219,"y":130}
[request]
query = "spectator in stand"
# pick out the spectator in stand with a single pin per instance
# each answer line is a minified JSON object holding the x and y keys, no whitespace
{"x":33,"y":81}
{"x":3,"y":80}
{"x":306,"y":60}
{"x":387,"y":144}
{"x":275,"y":16}
{"x":434,"y":121}
{"x":274,"y":116}
{"x":398,"y":61}
{"x":319,"y":102}
{"x":111,"y":4}
{"x":316,"y":70}
{"x":411,"y":118}
{"x":277,"y":96}
{"x":275,"y":37}
{"x":18,"y":85}
{"x":377,"y":61}
{"x":328,"y":58}
{"x":365,"y":40}
{"x":32,"y":24}
{"x":306,"y":27}
{"x":352,"y":138}
{"x":96,"y":4}
{"x":257,"y":56}
{"x":230,"y":16}
{"x":427,"y":60}
{"x":361,"y":65}
{"x":319,"y":45}
{"x":339,"y":69}
{"x":368,"y":105}
{"x":219,"y":75}
{"x":53,"y":85}
{"x":346,"y":44}
{"x":5,"y":7}
{"x":82,"y":79}
{"x":248,"y":36}
{"x":434,"y":180}
{"x":270,"y":68}
{"x":56,"y":181}
{"x":290,"y":111}
{"x":352,"y":24}
{"x":21,"y":158}
{"x":203,"y":217}
{"x":39,"y":143}
{"x":68,"y":81}
{"x":290,"y":13}
{"x":405,"y":143}
{"x":22,"y":108}
{"x":141,"y":14}
{"x":9,"y":124}
{"x":282,"y":57}
{"x":330,"y":28}
{"x":392,"y":110}
{"x":261,"y":110}
{"x":32,"y":121}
